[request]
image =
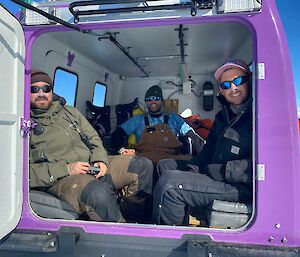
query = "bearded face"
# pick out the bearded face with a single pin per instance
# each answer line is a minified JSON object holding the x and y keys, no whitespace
{"x":154,"y":106}
{"x":236,"y":94}
{"x":41,"y":95}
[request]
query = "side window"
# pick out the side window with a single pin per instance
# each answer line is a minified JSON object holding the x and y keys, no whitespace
{"x":99,"y":94}
{"x":65,"y":85}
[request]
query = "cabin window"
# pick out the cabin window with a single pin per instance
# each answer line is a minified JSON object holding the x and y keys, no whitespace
{"x":99,"y":94}
{"x":65,"y":85}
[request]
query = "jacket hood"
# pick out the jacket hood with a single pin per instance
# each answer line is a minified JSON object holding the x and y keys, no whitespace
{"x":59,"y":98}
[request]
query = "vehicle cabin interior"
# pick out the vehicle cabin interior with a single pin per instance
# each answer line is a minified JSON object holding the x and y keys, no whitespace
{"x":114,"y":70}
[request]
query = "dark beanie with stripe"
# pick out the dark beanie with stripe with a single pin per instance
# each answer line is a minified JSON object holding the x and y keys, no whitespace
{"x":154,"y":91}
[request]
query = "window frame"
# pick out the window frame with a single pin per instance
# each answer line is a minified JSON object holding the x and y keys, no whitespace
{"x":102,"y":84}
{"x":69,"y":71}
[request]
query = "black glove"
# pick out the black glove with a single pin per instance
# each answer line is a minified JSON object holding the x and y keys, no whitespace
{"x":215,"y":171}
{"x":197,"y":142}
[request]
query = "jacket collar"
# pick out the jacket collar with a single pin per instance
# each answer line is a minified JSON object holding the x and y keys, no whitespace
{"x":45,"y":116}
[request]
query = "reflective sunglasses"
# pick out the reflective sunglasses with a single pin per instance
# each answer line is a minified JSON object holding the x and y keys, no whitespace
{"x":237,"y":81}
{"x":36,"y":89}
{"x":152,"y":98}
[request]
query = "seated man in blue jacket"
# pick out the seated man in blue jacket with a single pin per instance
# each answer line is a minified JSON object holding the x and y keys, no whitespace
{"x":156,"y":132}
{"x":223,"y":169}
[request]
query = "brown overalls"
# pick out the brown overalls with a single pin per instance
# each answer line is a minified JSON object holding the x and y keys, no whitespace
{"x":159,"y":142}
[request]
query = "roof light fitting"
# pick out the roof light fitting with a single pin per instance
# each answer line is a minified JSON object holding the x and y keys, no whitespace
{"x":158,"y":57}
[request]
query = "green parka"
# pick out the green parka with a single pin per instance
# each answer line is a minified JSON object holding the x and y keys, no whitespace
{"x":60,"y":144}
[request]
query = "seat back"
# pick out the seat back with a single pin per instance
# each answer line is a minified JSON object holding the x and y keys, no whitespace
{"x":48,"y":206}
{"x":124,"y":111}
{"x":99,"y":117}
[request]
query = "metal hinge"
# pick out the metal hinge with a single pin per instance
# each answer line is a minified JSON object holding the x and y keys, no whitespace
{"x":26,"y":126}
{"x":261,"y":172}
{"x":261,"y":70}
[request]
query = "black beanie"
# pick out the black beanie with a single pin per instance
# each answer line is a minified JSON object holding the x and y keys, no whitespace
{"x":154,"y":91}
{"x":40,"y":76}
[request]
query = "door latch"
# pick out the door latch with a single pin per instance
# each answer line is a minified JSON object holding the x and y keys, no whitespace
{"x":26,"y":126}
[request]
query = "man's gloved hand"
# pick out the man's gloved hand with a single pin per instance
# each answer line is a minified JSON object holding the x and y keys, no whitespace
{"x":215,"y":171}
{"x":197,"y":142}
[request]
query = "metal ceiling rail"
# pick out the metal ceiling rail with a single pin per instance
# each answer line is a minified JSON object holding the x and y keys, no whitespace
{"x":113,"y":40}
{"x":193,"y":5}
{"x":69,"y":25}
{"x":74,"y":27}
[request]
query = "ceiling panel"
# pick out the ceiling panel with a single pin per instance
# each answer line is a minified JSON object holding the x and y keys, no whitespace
{"x":207,"y":46}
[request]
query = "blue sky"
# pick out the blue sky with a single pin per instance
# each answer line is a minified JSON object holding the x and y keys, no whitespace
{"x":289,"y":12}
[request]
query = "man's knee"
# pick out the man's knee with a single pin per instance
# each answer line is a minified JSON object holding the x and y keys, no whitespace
{"x":166,"y":183}
{"x":148,"y":165}
{"x":97,"y":194}
{"x":170,"y":177}
{"x":143,"y":168}
{"x":99,"y":197}
{"x":166,"y":164}
{"x":167,"y":206}
{"x":141,"y":165}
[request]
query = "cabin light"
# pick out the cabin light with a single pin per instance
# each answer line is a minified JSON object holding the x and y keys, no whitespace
{"x":229,"y":6}
{"x":157,"y":57}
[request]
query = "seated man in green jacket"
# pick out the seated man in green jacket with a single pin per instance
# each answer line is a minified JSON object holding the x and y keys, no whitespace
{"x":64,"y":148}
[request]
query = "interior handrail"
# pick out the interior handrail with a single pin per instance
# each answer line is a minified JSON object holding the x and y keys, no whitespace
{"x":193,"y":5}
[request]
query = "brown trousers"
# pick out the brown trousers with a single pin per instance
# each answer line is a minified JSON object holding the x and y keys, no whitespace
{"x":69,"y":188}
{"x":121,"y":177}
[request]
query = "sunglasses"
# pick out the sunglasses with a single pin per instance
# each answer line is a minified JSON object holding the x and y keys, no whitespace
{"x":152,"y":98}
{"x":36,"y":89}
{"x":237,"y":81}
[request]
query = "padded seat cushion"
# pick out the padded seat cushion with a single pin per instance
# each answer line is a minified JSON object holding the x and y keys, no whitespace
{"x":231,"y":207}
{"x":226,"y":220}
{"x":48,"y":206}
{"x":228,"y":214}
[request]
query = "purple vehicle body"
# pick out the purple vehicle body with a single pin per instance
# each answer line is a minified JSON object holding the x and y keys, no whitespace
{"x":276,"y":215}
